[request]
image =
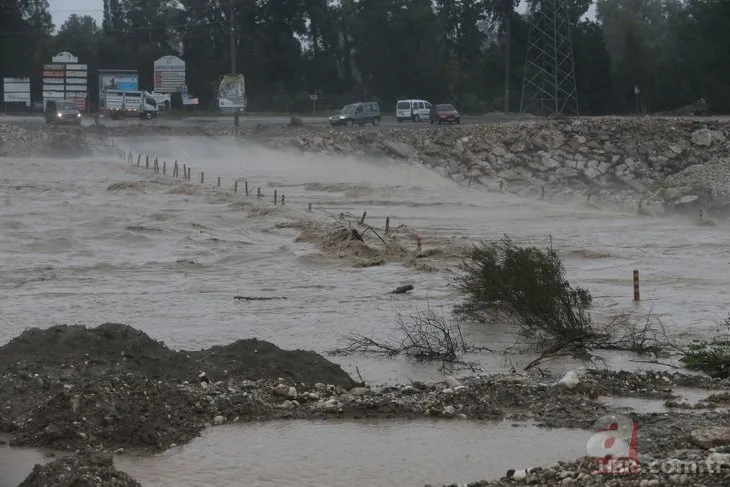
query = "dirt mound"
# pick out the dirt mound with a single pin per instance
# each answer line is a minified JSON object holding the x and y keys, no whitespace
{"x":85,"y":470}
{"x":254,"y":359}
{"x":109,"y":346}
{"x":115,"y":387}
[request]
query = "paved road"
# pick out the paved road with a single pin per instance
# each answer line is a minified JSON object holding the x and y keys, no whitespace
{"x":36,"y":121}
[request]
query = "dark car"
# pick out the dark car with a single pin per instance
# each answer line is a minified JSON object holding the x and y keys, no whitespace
{"x":444,"y":113}
{"x":357,"y":113}
{"x":62,"y":111}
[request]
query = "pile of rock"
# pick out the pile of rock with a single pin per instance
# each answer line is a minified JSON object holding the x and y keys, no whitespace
{"x":677,"y":162}
{"x":51,"y":142}
{"x":86,"y":469}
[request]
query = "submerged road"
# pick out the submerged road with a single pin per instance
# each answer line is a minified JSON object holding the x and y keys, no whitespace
{"x":37,"y":121}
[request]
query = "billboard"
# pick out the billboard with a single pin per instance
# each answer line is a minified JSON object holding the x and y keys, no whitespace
{"x":65,"y":79}
{"x":117,"y":79}
{"x":232,"y":92}
{"x":169,"y":74}
{"x":16,"y":90}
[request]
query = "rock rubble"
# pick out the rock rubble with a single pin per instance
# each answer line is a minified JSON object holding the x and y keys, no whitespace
{"x":46,"y":142}
{"x":672,"y":163}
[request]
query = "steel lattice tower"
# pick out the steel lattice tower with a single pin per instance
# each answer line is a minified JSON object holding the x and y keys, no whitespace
{"x":549,"y":85}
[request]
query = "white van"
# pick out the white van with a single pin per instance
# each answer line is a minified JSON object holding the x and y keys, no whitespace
{"x":415,"y":110}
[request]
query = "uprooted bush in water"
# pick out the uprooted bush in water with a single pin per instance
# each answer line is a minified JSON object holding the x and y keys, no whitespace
{"x":503,"y":282}
{"x":425,"y":337}
{"x":526,"y":286}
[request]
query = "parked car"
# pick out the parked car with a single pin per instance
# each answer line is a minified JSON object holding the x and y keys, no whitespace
{"x":444,"y":113}
{"x":62,"y":111}
{"x":357,"y":113}
{"x":414,"y":110}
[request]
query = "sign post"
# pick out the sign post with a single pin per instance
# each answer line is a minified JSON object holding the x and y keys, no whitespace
{"x":314,"y":97}
{"x":65,"y":79}
{"x":16,"y":90}
{"x":169,"y":74}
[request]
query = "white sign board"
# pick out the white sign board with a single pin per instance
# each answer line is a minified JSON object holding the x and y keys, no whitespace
{"x":169,"y":74}
{"x":65,"y":76}
{"x":64,"y":57}
{"x":16,"y":90}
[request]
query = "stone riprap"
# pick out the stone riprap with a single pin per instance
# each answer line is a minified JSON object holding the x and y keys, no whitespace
{"x":669,"y":162}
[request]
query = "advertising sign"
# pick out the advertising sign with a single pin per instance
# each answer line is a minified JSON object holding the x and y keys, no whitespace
{"x":169,"y":74}
{"x":65,"y":78}
{"x":117,"y":79}
{"x":16,"y":90}
{"x":232,"y":92}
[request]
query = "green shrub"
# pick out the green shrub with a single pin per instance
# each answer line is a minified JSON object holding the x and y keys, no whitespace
{"x":503,"y":282}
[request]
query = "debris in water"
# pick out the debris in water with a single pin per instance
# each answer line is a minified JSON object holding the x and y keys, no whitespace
{"x":257,"y":298}
{"x":402,"y":289}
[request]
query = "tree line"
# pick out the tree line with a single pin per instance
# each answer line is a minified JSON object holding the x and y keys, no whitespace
{"x":458,"y":51}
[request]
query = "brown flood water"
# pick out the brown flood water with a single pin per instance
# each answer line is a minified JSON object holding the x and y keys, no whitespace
{"x":339,"y":454}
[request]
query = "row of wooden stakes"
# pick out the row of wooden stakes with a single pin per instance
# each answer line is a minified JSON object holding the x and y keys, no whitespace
{"x":155,"y":166}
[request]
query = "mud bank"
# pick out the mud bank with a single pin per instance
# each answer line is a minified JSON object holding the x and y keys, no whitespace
{"x":111,"y":387}
{"x":44,"y":142}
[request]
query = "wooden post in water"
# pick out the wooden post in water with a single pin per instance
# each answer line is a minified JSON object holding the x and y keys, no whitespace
{"x":139,"y":158}
{"x":185,"y":172}
{"x":364,"y":214}
{"x":309,"y":207}
{"x":235,"y":186}
{"x":637,"y":296}
{"x":245,"y":188}
{"x":202,"y":177}
{"x":283,"y":200}
{"x":387,"y":225}
{"x":190,"y":178}
{"x":147,"y":162}
{"x":274,"y":197}
{"x":219,"y":181}
{"x":258,"y":192}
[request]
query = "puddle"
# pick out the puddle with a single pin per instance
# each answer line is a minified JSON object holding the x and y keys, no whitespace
{"x":645,"y":406}
{"x":339,"y":453}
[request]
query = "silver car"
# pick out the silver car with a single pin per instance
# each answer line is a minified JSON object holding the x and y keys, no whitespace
{"x":62,"y":111}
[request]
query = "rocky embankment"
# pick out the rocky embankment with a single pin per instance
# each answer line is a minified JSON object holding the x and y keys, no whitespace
{"x":114,"y":389}
{"x":44,"y":142}
{"x":671,"y":163}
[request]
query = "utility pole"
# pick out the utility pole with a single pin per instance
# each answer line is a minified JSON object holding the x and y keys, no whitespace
{"x":233,"y":39}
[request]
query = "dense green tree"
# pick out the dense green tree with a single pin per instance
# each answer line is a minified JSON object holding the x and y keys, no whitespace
{"x":469,"y":53}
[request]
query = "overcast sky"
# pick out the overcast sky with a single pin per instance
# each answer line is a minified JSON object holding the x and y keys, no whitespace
{"x":62,"y":9}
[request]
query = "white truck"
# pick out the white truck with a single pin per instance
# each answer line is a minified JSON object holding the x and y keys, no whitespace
{"x":119,"y":103}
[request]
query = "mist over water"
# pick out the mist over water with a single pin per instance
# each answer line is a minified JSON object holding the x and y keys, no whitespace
{"x":91,"y":240}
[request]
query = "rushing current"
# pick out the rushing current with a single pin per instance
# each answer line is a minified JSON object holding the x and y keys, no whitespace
{"x":92,"y":240}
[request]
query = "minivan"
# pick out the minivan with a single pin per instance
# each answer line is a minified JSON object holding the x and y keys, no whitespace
{"x":415,"y":110}
{"x":62,"y":111}
{"x":357,"y":113}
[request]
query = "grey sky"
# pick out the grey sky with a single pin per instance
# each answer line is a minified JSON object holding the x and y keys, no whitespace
{"x":62,"y":9}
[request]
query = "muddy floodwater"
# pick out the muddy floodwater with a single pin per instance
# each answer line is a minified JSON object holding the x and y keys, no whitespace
{"x":73,"y":251}
{"x":169,"y":262}
{"x":339,"y":454}
{"x":89,"y":241}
